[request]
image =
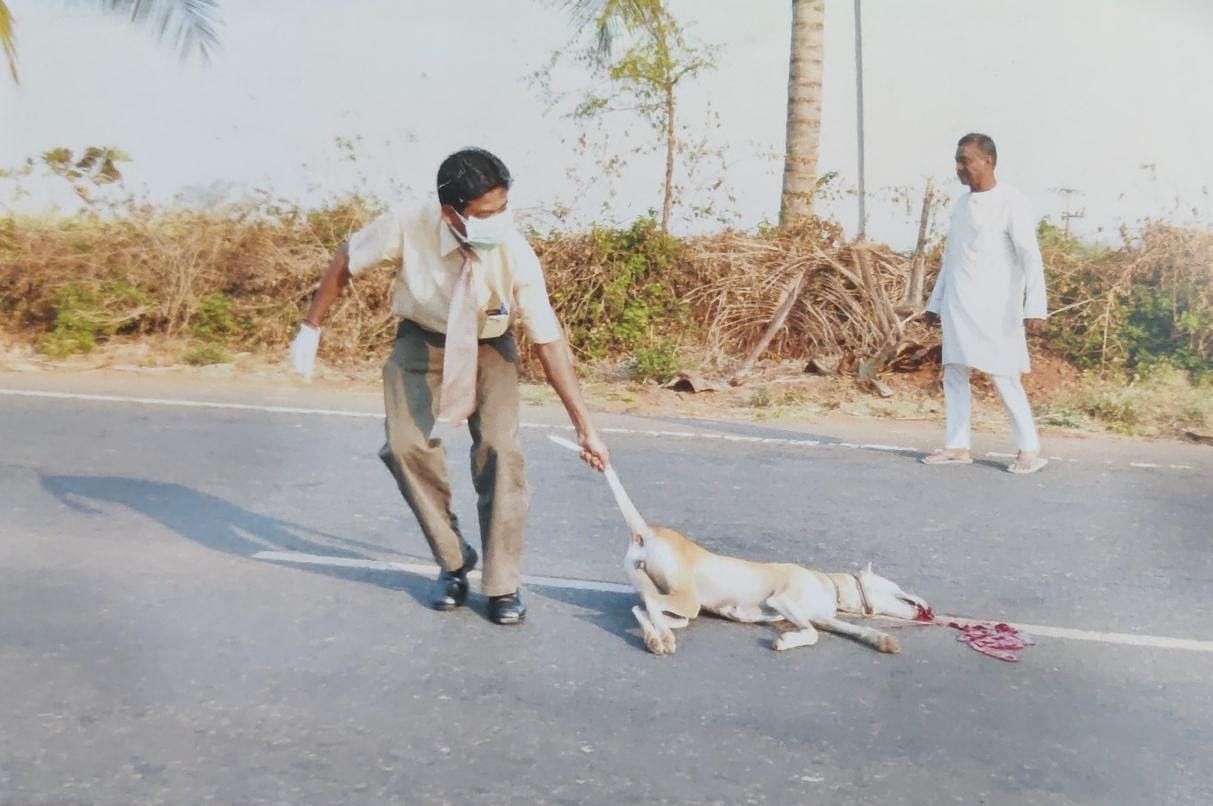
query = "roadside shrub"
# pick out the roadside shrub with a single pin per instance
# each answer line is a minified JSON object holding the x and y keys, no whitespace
{"x":616,"y":291}
{"x":82,"y":316}
{"x":333,"y":223}
{"x":1147,"y":304}
{"x":1159,"y":401}
{"x":213,"y":318}
{"x":241,"y":278}
{"x":760,"y":398}
{"x":206,"y":353}
{"x":656,"y":362}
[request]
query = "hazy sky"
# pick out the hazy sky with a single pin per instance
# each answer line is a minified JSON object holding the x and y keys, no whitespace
{"x":1077,"y":93}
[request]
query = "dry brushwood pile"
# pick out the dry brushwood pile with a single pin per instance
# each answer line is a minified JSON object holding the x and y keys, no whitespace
{"x":807,"y":293}
{"x":733,"y":297}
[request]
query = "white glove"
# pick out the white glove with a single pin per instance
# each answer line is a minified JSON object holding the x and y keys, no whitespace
{"x":303,"y":350}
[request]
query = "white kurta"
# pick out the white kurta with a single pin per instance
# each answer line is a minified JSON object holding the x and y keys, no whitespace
{"x":991,"y":280}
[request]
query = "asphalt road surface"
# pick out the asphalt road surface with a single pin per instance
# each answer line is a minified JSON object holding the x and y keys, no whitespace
{"x":208,"y":603}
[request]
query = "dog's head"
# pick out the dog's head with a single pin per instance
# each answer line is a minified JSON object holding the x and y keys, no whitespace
{"x":886,"y":598}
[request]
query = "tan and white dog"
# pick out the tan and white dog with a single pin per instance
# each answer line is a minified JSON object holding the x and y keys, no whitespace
{"x":676,"y":579}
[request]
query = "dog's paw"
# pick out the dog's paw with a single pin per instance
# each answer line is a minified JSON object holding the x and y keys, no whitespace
{"x":660,"y":644}
{"x":888,"y":644}
{"x":793,"y":639}
{"x":782,"y":642}
{"x":653,"y":644}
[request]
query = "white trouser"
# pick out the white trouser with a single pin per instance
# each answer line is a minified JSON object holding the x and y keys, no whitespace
{"x":1010,"y":389}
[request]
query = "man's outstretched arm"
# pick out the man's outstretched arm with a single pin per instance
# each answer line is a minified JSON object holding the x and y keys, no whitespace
{"x":303,"y":347}
{"x":558,"y":365}
{"x":336,"y":278}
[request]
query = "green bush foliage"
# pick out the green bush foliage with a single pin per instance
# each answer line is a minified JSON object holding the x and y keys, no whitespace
{"x":213,"y":318}
{"x":1145,"y":305}
{"x":657,"y":361}
{"x":81,"y":316}
{"x":620,"y":295}
{"x":206,"y":353}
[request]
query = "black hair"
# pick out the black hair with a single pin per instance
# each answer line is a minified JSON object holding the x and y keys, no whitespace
{"x":469,"y":174}
{"x":984,"y":143}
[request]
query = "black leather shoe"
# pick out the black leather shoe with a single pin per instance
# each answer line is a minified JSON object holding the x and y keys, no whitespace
{"x":451,"y":588}
{"x":507,"y":609}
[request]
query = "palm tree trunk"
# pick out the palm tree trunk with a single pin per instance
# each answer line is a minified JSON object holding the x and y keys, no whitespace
{"x":804,"y":110}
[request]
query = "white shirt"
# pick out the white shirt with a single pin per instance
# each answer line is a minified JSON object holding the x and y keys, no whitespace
{"x":508,"y":281}
{"x":991,"y":280}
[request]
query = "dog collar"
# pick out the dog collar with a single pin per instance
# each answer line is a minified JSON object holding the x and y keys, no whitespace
{"x":868,"y":610}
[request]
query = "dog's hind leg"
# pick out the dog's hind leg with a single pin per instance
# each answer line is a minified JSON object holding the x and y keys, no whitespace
{"x":652,"y":639}
{"x":807,"y":634}
{"x":658,"y":638}
{"x":874,"y":638}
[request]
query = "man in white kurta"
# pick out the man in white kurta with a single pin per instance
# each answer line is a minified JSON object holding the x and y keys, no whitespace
{"x":991,"y":289}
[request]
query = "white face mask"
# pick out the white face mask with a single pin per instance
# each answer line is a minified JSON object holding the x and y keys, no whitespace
{"x":486,"y":233}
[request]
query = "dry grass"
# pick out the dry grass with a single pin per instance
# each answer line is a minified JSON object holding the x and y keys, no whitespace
{"x":156,"y":272}
{"x":217,"y":285}
{"x":1162,"y":403}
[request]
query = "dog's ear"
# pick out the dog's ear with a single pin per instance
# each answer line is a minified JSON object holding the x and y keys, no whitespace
{"x":868,"y":570}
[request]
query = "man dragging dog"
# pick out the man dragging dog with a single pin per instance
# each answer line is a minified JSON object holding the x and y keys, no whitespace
{"x":465,"y":275}
{"x":991,"y":289}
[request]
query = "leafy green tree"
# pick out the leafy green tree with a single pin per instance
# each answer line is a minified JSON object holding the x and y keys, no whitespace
{"x":645,"y":77}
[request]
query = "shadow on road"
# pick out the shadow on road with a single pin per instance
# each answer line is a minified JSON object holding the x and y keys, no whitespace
{"x":415,"y":585}
{"x":205,"y":519}
{"x":223,"y":526}
{"x":610,"y":612}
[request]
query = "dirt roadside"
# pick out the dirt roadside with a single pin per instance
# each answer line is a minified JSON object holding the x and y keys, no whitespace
{"x":777,"y":397}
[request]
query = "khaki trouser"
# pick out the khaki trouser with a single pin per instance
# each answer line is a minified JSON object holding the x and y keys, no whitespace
{"x":412,"y":380}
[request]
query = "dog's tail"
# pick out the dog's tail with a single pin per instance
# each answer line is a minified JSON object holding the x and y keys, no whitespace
{"x":640,"y":529}
{"x":876,"y":639}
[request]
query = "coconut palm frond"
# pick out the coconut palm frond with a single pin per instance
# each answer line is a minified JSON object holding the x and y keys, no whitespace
{"x":8,"y":41}
{"x":188,"y":25}
{"x":608,"y":18}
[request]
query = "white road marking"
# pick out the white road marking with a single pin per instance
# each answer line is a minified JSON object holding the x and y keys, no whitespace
{"x":1153,"y":465}
{"x":1122,"y":638}
{"x":189,"y":404}
{"x":427,"y":569}
{"x":569,"y":583}
{"x":698,"y":435}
